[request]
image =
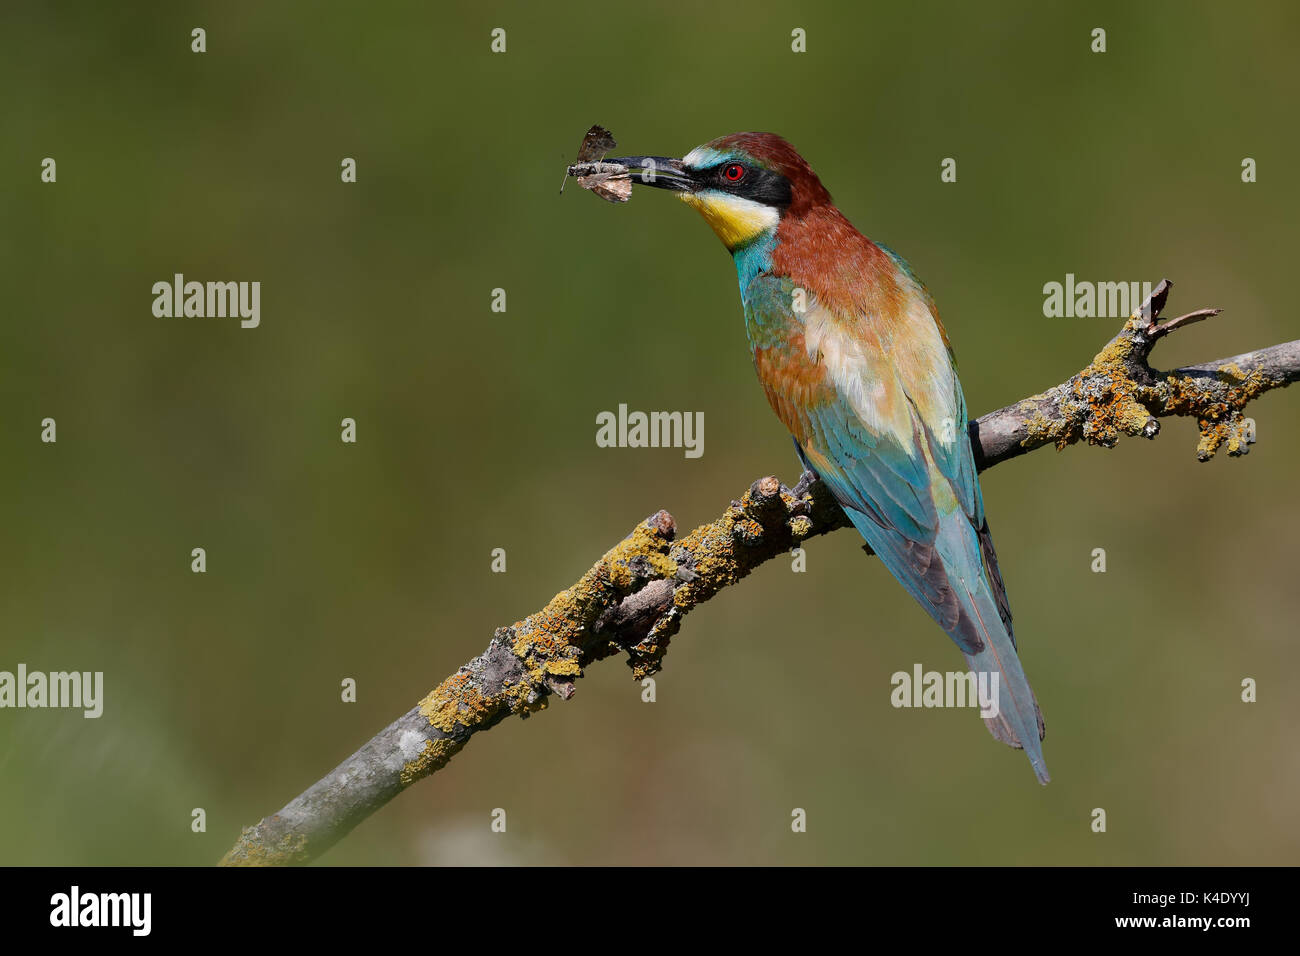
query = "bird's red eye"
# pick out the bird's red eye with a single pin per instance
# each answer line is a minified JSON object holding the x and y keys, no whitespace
{"x":734,"y":173}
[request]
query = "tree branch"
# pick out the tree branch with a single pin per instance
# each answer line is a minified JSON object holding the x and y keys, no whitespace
{"x":633,"y":600}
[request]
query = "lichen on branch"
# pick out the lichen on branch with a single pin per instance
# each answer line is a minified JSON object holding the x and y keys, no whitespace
{"x":633,"y":600}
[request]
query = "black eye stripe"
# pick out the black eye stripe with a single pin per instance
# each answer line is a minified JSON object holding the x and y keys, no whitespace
{"x":756,"y":183}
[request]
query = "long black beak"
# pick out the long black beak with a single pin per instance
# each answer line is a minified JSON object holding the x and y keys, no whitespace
{"x":659,"y":171}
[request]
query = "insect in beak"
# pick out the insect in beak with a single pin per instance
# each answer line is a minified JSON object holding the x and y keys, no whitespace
{"x":610,"y":181}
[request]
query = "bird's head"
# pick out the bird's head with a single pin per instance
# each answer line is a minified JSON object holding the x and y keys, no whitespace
{"x":743,"y":184}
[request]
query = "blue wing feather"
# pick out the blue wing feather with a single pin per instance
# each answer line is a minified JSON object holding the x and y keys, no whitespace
{"x":917,"y":504}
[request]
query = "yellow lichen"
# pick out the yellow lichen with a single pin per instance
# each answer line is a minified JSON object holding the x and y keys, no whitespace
{"x":570,"y":667}
{"x":251,"y":851}
{"x":433,"y":757}
{"x":1040,"y":430}
{"x":457,"y":700}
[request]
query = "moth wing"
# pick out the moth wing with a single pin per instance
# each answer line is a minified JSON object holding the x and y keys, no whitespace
{"x":595,"y":144}
{"x":611,"y":189}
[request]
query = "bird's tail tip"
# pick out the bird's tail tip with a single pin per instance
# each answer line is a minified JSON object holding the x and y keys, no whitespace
{"x":1015,"y":725}
{"x":1040,"y":771}
{"x":1002,"y":730}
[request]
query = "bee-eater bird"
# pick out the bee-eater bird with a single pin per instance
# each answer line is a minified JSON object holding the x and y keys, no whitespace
{"x":849,"y":349}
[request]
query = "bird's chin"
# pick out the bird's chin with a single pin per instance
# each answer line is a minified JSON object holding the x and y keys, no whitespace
{"x":736,"y":221}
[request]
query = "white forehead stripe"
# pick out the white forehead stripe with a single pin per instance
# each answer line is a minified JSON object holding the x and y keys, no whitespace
{"x":701,"y":157}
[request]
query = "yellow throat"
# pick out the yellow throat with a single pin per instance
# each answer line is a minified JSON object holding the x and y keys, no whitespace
{"x":735,"y":220}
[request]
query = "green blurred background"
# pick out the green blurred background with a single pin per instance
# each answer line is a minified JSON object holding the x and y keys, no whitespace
{"x":476,"y":429}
